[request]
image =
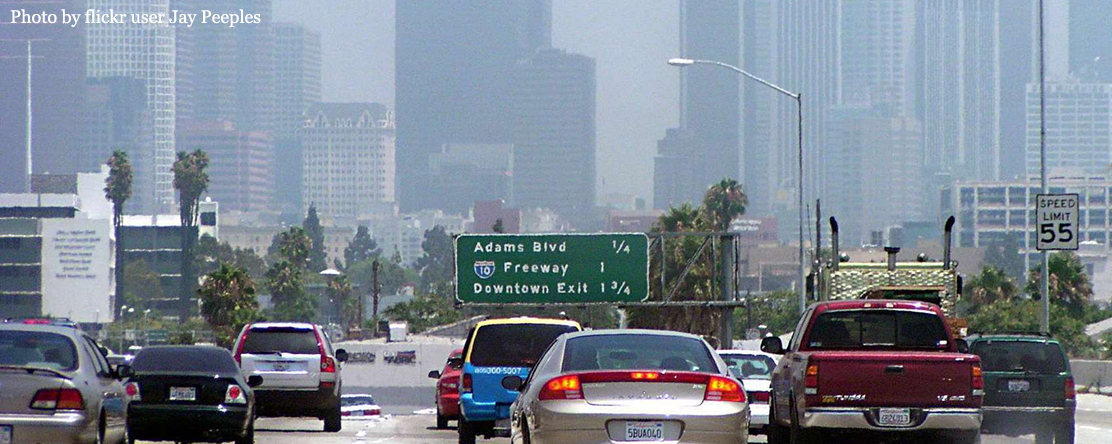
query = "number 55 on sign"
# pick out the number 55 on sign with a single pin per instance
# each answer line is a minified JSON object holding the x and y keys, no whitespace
{"x":1057,"y":221}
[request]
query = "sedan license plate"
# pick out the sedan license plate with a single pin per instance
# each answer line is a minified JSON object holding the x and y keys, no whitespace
{"x":644,"y":431}
{"x":5,"y":434}
{"x":1019,"y":385}
{"x":183,"y":393}
{"x":895,"y":417}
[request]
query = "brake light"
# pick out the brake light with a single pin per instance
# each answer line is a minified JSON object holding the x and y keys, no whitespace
{"x":811,"y":380}
{"x":561,"y":387}
{"x":235,"y":395}
{"x":465,"y":386}
{"x":327,"y":364}
{"x":759,"y":397}
{"x":58,"y":399}
{"x":978,"y":378}
{"x":242,"y":340}
{"x":132,"y":390}
{"x":723,"y":389}
{"x":1071,"y":391}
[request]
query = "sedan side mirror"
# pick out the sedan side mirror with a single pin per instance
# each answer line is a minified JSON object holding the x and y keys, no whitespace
{"x":963,"y":347}
{"x":434,"y":374}
{"x":254,"y":381}
{"x":124,"y":371}
{"x":341,"y":355}
{"x":772,"y":345}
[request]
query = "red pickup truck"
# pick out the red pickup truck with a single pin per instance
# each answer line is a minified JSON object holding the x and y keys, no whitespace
{"x":874,"y":367}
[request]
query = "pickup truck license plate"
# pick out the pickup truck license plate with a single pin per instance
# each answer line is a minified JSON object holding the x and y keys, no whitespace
{"x":183,"y":393}
{"x":895,"y":417}
{"x":5,"y":434}
{"x":1018,"y":385}
{"x":644,"y":431}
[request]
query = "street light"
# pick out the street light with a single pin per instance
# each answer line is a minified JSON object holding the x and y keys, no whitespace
{"x":682,"y":63}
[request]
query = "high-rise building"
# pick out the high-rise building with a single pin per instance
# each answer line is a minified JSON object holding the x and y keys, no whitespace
{"x":57,"y":94}
{"x":673,"y":168}
{"x":117,"y":118}
{"x":297,"y":85}
{"x":463,"y":174}
{"x":1078,"y":128}
{"x":554,"y":134}
{"x":241,"y":164}
{"x":877,"y":54}
{"x":145,"y":52}
{"x":1017,"y":69}
{"x":348,"y":160}
{"x":454,"y":77}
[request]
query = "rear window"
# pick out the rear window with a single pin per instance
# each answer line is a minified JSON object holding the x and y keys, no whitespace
{"x":877,"y":329}
{"x":637,"y":352}
{"x":37,"y":349}
{"x":285,"y":340}
{"x":357,"y":400}
{"x":184,"y":359}
{"x":750,"y":366}
{"x":1020,"y":356}
{"x":513,"y":345}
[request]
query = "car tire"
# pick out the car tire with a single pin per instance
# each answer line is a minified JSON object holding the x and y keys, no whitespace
{"x":968,"y":437}
{"x":249,"y":437}
{"x":797,"y":434}
{"x":466,"y":432}
{"x":102,"y":429}
{"x":777,"y":433}
{"x":1064,"y":433}
{"x":127,"y":439}
{"x":525,"y":439}
{"x":332,"y":421}
{"x":441,"y":420}
{"x":1044,"y":434}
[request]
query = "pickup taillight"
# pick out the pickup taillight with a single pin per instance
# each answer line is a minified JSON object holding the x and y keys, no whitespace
{"x":978,"y":381}
{"x":811,"y":380}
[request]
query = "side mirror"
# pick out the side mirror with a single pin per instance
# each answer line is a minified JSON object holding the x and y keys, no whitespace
{"x":254,"y":381}
{"x":963,"y":347}
{"x":434,"y":375}
{"x":124,"y":371}
{"x":772,"y":345}
{"x":455,"y":363}
{"x":512,"y":383}
{"x":341,"y":355}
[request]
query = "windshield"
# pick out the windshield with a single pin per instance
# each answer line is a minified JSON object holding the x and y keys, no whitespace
{"x":1020,"y":356}
{"x":513,"y":345}
{"x":637,"y":351}
{"x":357,"y":400}
{"x":750,"y":366}
{"x":877,"y":329}
{"x":184,"y":359}
{"x":285,"y":340}
{"x":37,"y":349}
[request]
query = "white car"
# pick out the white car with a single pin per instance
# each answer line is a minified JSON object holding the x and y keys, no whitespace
{"x":754,"y":369}
{"x":359,"y":406}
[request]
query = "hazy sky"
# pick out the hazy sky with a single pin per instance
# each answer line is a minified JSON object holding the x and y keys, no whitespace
{"x":638,"y":93}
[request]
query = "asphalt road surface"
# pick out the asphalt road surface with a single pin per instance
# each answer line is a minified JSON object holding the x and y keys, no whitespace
{"x":1094,"y":426}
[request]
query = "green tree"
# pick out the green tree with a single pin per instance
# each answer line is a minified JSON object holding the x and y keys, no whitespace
{"x":723,"y":202}
{"x":498,"y":227}
{"x":117,"y":188}
{"x":142,"y":286}
{"x":990,"y":285}
{"x":436,"y":264}
{"x":191,"y":181}
{"x":779,"y":311}
{"x":361,"y":247}
{"x":1005,"y":256}
{"x":427,"y":309}
{"x":340,"y":293}
{"x":1024,"y":316}
{"x":286,"y":278}
{"x":1069,"y":284}
{"x":228,"y":302}
{"x":209,"y":254}
{"x":392,"y":276}
{"x":318,"y":258}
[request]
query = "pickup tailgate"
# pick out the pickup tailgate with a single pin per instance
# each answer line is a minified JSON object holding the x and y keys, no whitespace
{"x":897,"y":379}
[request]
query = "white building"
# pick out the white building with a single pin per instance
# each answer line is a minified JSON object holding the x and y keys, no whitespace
{"x":145,"y":52}
{"x":1078,"y":128}
{"x":348,"y":160}
{"x":406,"y":232}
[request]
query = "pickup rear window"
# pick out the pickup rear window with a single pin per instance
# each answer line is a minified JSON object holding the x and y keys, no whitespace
{"x":1020,"y":356}
{"x":850,"y":329}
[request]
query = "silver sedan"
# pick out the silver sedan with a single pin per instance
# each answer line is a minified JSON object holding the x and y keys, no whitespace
{"x":605,"y":386}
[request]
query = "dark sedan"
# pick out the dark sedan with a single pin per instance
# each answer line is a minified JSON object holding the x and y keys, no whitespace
{"x":190,"y":393}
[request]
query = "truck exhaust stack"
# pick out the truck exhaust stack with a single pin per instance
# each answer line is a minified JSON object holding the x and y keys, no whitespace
{"x":947,"y":238}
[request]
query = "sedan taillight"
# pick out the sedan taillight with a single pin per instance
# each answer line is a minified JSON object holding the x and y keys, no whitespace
{"x":723,"y":389}
{"x":759,"y":397}
{"x":561,"y":387}
{"x":58,"y":399}
{"x":235,"y":395}
{"x":132,"y":390}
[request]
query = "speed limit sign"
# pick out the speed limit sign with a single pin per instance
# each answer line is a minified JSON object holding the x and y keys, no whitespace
{"x":1057,"y":221}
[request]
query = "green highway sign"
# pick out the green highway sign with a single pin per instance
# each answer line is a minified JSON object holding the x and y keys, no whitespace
{"x":552,"y":268}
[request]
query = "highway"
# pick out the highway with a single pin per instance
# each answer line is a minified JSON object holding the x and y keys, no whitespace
{"x":1094,"y":426}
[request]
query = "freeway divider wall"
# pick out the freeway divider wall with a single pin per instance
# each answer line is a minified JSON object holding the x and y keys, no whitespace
{"x":1092,"y":376}
{"x":379,"y":364}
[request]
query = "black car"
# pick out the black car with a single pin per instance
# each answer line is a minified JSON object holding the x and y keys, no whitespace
{"x":190,"y":393}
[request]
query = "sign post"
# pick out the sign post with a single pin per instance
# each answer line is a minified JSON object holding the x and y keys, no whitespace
{"x":552,"y":268}
{"x":1057,"y":221}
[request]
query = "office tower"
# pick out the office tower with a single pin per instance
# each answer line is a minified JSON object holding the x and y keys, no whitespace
{"x":673,"y":168}
{"x":57,"y":94}
{"x":117,"y":118}
{"x":453,"y":71}
{"x":1078,"y":129}
{"x":348,"y":160}
{"x":297,"y":85}
{"x":145,"y":52}
{"x":463,"y":174}
{"x":554,"y":134}
{"x":241,"y":164}
{"x":877,"y":59}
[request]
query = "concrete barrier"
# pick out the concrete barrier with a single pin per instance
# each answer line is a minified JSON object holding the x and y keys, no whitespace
{"x":361,"y":371}
{"x":1092,"y":376}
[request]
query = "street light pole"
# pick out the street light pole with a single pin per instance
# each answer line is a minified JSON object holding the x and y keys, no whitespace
{"x":1044,"y":286}
{"x":681,"y":62}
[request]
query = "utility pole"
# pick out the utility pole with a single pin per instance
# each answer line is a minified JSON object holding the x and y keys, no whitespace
{"x":29,"y":126}
{"x":726,"y":286}
{"x":374,"y":295}
{"x":1044,"y":288}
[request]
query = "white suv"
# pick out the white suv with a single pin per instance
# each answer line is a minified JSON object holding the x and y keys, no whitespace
{"x":301,"y":373}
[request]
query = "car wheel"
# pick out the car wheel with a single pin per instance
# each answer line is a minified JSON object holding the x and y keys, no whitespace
{"x":969,"y":437}
{"x":777,"y":433}
{"x":127,"y":439}
{"x":466,"y":432}
{"x":797,"y":434}
{"x":525,"y":439}
{"x":332,"y":421}
{"x":102,"y":429}
{"x":249,"y":437}
{"x":441,"y":420}
{"x":1063,"y":434}
{"x":1044,"y":434}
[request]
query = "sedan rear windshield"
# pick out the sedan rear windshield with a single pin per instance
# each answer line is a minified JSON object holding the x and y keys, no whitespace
{"x":357,"y":400}
{"x":184,"y":359}
{"x":281,"y":340}
{"x":1020,"y":356}
{"x":513,"y":345}
{"x":848,"y":329}
{"x":37,"y":349}
{"x":637,"y":352}
{"x":750,"y":366}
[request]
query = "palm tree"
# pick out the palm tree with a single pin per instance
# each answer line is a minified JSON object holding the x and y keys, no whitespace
{"x":1069,"y":284}
{"x":723,"y":202}
{"x":228,"y":301}
{"x":990,"y":285}
{"x":117,"y":188}
{"x":191,"y":181}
